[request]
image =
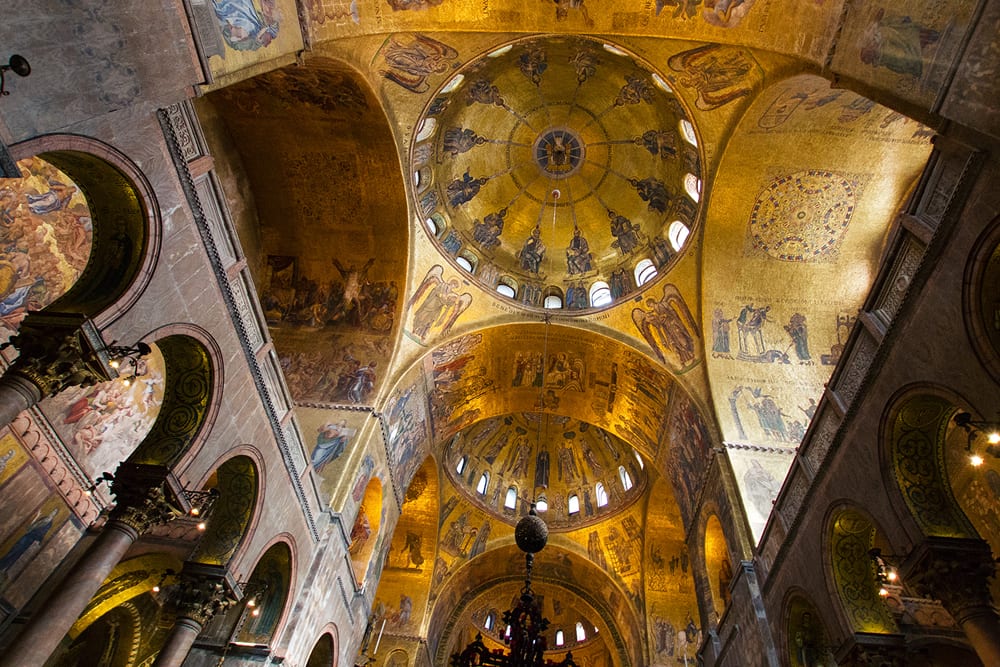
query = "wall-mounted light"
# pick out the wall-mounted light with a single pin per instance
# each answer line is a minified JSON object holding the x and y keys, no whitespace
{"x":990,"y":430}
{"x":885,"y":574}
{"x":18,"y":65}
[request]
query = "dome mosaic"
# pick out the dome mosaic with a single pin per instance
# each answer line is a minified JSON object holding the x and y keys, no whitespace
{"x":577,"y":474}
{"x":559,"y":171}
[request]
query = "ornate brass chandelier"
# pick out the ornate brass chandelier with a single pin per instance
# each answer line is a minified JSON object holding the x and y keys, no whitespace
{"x":525,"y":622}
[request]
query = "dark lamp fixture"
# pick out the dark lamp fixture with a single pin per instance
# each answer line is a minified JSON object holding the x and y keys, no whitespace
{"x":18,"y":65}
{"x":120,"y":355}
{"x":885,"y":574}
{"x":525,"y":623}
{"x":973,"y":428}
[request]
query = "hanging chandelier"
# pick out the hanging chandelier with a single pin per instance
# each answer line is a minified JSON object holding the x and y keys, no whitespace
{"x":525,"y":622}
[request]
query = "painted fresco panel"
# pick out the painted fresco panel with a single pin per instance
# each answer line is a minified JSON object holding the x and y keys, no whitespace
{"x":686,"y":453}
{"x":407,"y":427}
{"x":906,"y":47}
{"x":34,"y":539}
{"x":331,"y":436}
{"x":45,"y":239}
{"x":759,"y":474}
{"x":103,"y":424}
{"x":238,"y":34}
{"x":670,"y":601}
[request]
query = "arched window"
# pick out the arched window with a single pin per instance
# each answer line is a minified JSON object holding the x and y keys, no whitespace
{"x":638,"y":457}
{"x":602,"y":494}
{"x":553,"y":301}
{"x":460,"y":468}
{"x":687,"y":131}
{"x":484,"y":481}
{"x":542,"y":504}
{"x":626,"y":478}
{"x":510,"y":502}
{"x":678,"y":234}
{"x":574,"y":504}
{"x":464,"y":262}
{"x":507,"y":632}
{"x":600,"y":294}
{"x":431,"y":226}
{"x":645,"y":271}
{"x":427,"y":129}
{"x":453,"y":84}
{"x":663,"y":85}
{"x":581,"y":634}
{"x":692,"y":185}
{"x":560,"y":638}
{"x":490,"y":620}
{"x":506,"y":290}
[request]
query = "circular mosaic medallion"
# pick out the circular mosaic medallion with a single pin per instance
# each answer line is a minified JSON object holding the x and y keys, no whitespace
{"x":802,"y":217}
{"x":559,"y":152}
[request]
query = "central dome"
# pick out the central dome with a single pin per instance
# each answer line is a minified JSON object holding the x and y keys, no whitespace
{"x":559,"y":171}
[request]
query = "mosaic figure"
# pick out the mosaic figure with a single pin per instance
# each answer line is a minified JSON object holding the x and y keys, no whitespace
{"x":532,"y":252}
{"x":413,"y":61}
{"x":247,"y":25}
{"x":463,"y":190}
{"x":653,"y":192}
{"x":627,"y":234}
{"x":487,"y":233}
{"x":578,"y":255}
{"x":897,"y":43}
{"x":532,"y":64}
{"x":459,"y":140}
{"x":719,"y":74}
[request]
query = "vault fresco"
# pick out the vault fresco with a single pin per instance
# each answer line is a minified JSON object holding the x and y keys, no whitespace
{"x":46,"y":234}
{"x":556,"y":164}
{"x":103,"y":424}
{"x":238,"y":34}
{"x":329,"y":290}
{"x":788,"y":267}
{"x":908,"y":47}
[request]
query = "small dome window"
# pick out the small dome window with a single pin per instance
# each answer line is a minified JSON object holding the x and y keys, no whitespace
{"x":460,"y":467}
{"x":600,"y":294}
{"x":678,"y":234}
{"x":453,"y":84}
{"x":484,"y":482}
{"x":581,"y":634}
{"x":510,"y":502}
{"x":560,"y":638}
{"x":542,"y":504}
{"x":553,"y":301}
{"x":687,"y":131}
{"x":625,"y":477}
{"x":645,"y":271}
{"x":602,"y":494}
{"x":431,"y":226}
{"x":692,"y":185}
{"x":464,"y":262}
{"x":506,"y":290}
{"x":574,"y":504}
{"x":490,"y":620}
{"x":427,"y":129}
{"x":638,"y":457}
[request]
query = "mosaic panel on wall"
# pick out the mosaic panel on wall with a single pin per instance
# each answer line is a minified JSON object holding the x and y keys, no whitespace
{"x":41,"y":533}
{"x":45,"y":239}
{"x":237,"y":34}
{"x":331,"y":436}
{"x":908,"y":47}
{"x":101,"y":425}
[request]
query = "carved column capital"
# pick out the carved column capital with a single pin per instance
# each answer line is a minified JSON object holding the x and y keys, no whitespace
{"x":145,"y":496}
{"x":203,"y":592}
{"x":956,"y":571}
{"x":59,"y":350}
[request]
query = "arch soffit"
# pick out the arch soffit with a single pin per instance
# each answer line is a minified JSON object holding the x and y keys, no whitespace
{"x":913,"y":432}
{"x":288,"y":541}
{"x":190,"y":397}
{"x":793,"y":595}
{"x":123,"y":205}
{"x":505,"y":562}
{"x":214,"y":365}
{"x":481,"y":349}
{"x":866,"y":612}
{"x":236,"y":509}
{"x":329,"y":630}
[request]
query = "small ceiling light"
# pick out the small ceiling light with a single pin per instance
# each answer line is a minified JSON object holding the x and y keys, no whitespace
{"x":201,"y":525}
{"x":976,"y":460}
{"x":18,"y":65}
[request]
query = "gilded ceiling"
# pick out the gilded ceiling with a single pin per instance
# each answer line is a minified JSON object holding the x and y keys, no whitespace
{"x":551,"y":164}
{"x":430,"y":177}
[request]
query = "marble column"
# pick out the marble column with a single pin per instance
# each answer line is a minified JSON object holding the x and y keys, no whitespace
{"x":138,"y":509}
{"x":957,"y":571}
{"x":203,"y":592}
{"x":55,"y":351}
